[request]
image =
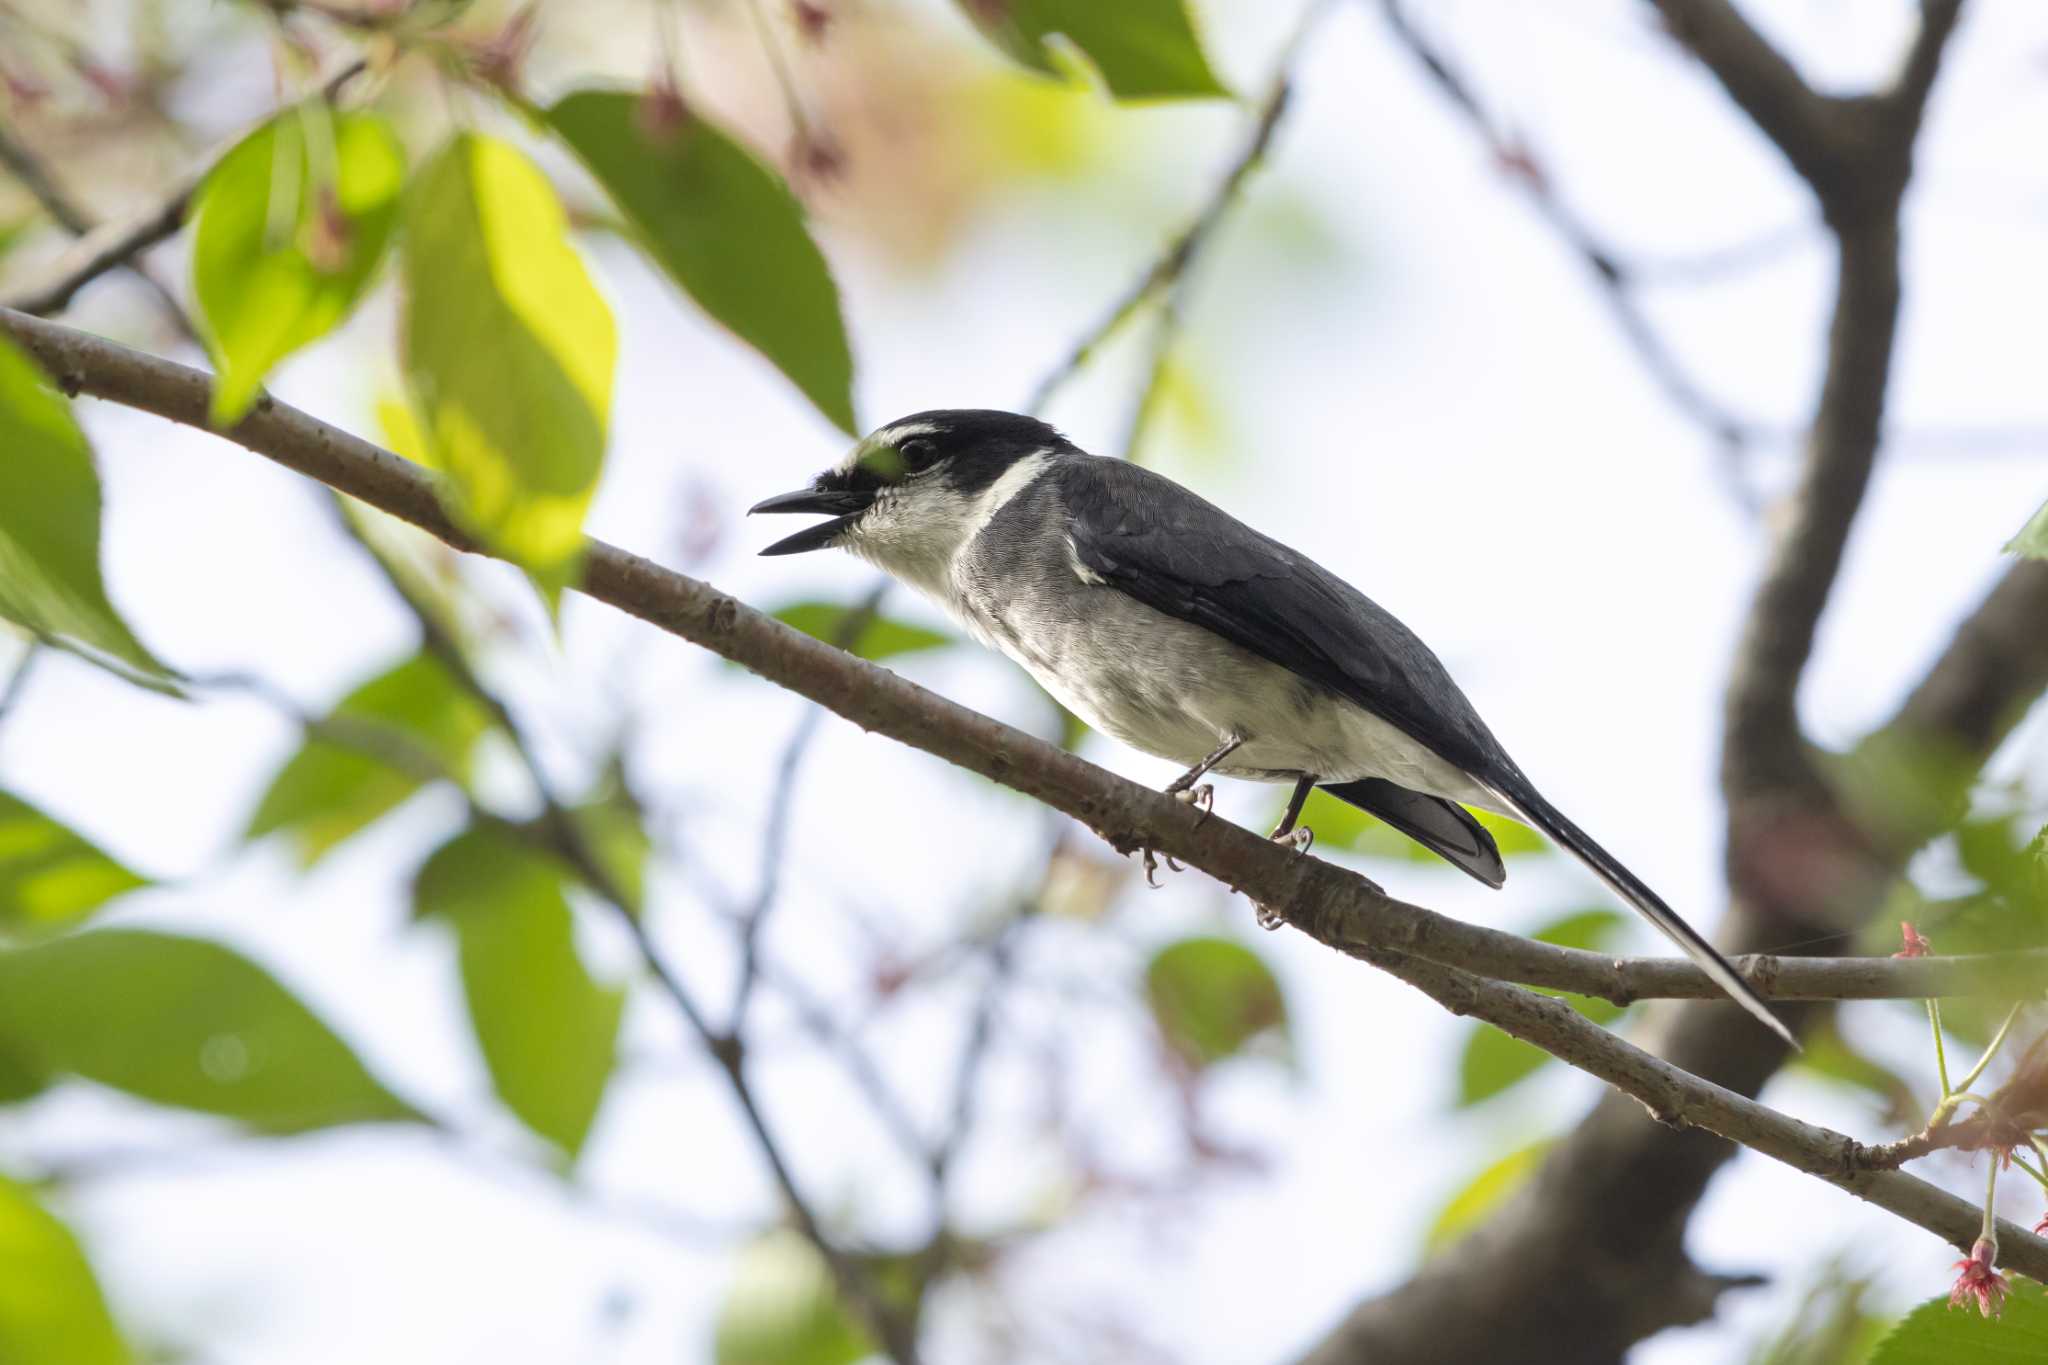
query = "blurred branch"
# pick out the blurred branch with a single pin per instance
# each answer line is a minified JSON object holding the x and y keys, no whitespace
{"x":559,"y":832}
{"x":1591,"y":1253}
{"x":115,"y":245}
{"x":1172,"y":266}
{"x":775,"y":833}
{"x":1315,"y":895}
{"x":35,"y":178}
{"x":1618,"y":280}
{"x":17,"y":677}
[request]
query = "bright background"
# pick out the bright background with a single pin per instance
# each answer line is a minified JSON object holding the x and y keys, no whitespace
{"x":1390,"y":362}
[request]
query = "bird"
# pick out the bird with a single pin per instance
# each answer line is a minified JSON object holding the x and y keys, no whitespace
{"x":1168,"y":624}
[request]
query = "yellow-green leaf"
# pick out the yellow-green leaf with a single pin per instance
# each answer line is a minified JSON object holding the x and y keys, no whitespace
{"x":781,"y":1309}
{"x":50,"y":521}
{"x":509,"y":352}
{"x":548,"y":1032}
{"x":291,"y":225}
{"x":727,"y":230}
{"x":1937,"y":1334}
{"x":1483,"y":1194}
{"x":1145,"y":49}
{"x":1494,"y":1061}
{"x":882,"y":638}
{"x":331,"y":789}
{"x":185,"y":1022}
{"x":51,"y":1308}
{"x":50,"y":875}
{"x":2032,"y":541}
{"x":1210,"y":997}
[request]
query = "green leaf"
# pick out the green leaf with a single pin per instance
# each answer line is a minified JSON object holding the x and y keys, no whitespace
{"x":1212,"y":996}
{"x":1494,"y":1061}
{"x":883,"y":637}
{"x":291,"y":225}
{"x":51,"y":1308}
{"x":328,"y":791}
{"x":727,"y":230}
{"x":508,"y":354}
{"x":184,"y":1022}
{"x":2032,"y":541}
{"x":1483,"y":1194}
{"x":49,"y":875}
{"x":50,"y":521}
{"x":549,"y":1033}
{"x":1936,"y":1334}
{"x":1515,"y":839}
{"x":1145,"y":49}
{"x":781,"y":1309}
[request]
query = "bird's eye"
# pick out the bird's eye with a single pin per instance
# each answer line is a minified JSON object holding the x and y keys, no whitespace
{"x":917,"y":452}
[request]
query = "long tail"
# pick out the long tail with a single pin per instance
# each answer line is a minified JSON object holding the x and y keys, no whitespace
{"x":1538,"y":812}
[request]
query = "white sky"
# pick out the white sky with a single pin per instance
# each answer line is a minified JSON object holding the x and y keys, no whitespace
{"x":1436,"y":406}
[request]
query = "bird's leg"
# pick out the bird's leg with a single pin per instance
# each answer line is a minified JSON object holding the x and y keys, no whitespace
{"x":1183,"y":788}
{"x":1285,"y":833}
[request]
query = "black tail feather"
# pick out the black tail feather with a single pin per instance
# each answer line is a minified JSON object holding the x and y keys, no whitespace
{"x":1443,"y":827}
{"x":1575,"y":841}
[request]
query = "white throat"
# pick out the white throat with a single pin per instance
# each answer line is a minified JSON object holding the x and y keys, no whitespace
{"x":917,"y":531}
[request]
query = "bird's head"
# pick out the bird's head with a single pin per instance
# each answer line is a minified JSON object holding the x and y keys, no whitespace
{"x":911,"y":493}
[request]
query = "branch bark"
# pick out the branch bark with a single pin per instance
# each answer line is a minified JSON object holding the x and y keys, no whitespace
{"x":1317,"y":897}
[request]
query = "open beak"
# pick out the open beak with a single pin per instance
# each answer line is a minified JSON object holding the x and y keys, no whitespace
{"x":846,"y":505}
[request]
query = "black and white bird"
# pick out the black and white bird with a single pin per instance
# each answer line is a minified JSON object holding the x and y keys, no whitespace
{"x":1164,"y":621}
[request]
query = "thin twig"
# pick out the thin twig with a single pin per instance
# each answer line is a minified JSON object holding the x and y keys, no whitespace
{"x":1186,"y":246}
{"x":561,"y":832}
{"x":114,"y":245}
{"x":846,"y":634}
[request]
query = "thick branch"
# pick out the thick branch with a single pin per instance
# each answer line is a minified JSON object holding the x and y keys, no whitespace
{"x":1315,"y":896}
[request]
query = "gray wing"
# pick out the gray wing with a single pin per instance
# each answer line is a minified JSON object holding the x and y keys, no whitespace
{"x":1148,"y":537}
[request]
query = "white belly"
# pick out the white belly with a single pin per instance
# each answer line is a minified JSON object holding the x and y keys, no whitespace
{"x":1177,"y":691}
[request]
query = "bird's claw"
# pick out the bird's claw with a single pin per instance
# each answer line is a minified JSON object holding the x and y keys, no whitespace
{"x":1301,"y":838}
{"x":1202,"y":798}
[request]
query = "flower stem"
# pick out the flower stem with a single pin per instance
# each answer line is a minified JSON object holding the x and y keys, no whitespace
{"x":1940,"y":1051}
{"x":1990,"y":1232}
{"x":1990,"y":1049}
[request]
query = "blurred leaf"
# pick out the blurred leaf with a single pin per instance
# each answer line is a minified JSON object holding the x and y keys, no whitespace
{"x":291,"y":224}
{"x":1342,"y":825}
{"x":50,"y":520}
{"x":1833,"y":1323}
{"x":1212,"y":996}
{"x":1831,"y":1057}
{"x":781,"y":1309}
{"x":508,"y":354}
{"x":1145,"y":49}
{"x":12,"y":233}
{"x":185,"y":1022}
{"x":2032,"y":541}
{"x":548,"y":1032}
{"x":1515,"y":839}
{"x":882,"y":638}
{"x":617,"y":833}
{"x":1483,"y":1194}
{"x":51,"y":1308}
{"x":727,"y":230}
{"x":1493,"y":1061}
{"x":49,"y":875}
{"x":328,"y":791}
{"x":19,"y":1080}
{"x":1936,"y":1334}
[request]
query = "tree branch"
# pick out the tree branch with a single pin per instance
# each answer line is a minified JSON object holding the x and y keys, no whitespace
{"x":1316,"y":896}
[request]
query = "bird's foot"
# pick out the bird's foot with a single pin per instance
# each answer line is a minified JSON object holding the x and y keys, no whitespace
{"x":1301,"y":838}
{"x":1152,"y":866}
{"x":1202,"y":798}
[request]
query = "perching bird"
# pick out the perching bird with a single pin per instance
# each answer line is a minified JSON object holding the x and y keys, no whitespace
{"x":1165,"y":622}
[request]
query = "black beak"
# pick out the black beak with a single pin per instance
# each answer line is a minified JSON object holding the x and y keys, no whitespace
{"x":846,"y":503}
